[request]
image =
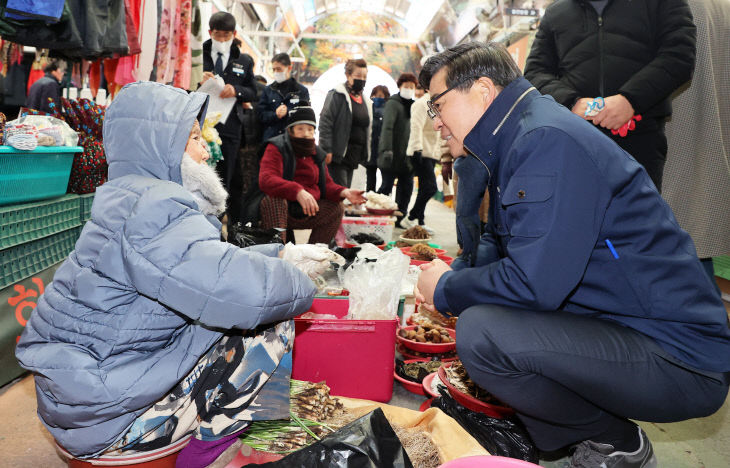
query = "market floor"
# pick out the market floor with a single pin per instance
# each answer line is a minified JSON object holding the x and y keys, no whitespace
{"x":698,"y":443}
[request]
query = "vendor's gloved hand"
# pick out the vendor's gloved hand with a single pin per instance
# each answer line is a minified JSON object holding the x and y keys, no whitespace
{"x":313,"y":260}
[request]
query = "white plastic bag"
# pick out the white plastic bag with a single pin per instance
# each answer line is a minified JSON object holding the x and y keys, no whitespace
{"x":57,"y":128}
{"x":375,"y":287}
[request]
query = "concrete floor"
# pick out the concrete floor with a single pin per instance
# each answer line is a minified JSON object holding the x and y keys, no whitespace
{"x":698,"y":443}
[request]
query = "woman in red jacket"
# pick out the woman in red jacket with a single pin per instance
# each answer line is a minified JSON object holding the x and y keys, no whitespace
{"x":300,"y":194}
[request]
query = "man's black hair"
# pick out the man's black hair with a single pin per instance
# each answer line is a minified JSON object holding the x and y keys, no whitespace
{"x":282,"y":58}
{"x":222,"y":21}
{"x":466,"y":63}
{"x":52,"y":66}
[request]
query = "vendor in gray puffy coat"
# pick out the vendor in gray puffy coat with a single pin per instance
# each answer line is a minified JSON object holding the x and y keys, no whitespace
{"x":153,"y":329}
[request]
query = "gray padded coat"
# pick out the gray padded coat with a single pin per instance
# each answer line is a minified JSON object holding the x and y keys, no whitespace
{"x":149,"y":287}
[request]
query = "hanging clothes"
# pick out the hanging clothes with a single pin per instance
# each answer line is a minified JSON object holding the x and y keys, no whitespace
{"x":183,"y":59}
{"x":196,"y":46}
{"x":165,"y":40}
{"x":144,"y":61}
{"x":47,"y":10}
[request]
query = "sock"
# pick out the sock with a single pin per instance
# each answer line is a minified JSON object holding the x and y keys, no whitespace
{"x":623,"y":435}
{"x":201,"y":453}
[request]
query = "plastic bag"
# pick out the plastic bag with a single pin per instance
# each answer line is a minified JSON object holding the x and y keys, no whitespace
{"x":62,"y":133}
{"x":368,"y":442}
{"x":375,"y":287}
{"x":246,"y":236}
{"x":503,"y":437}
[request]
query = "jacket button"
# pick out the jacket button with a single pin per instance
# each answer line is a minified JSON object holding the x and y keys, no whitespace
{"x":490,"y":153}
{"x":521,"y":194}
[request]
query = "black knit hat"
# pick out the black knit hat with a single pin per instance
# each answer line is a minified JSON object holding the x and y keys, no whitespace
{"x":302,"y":115}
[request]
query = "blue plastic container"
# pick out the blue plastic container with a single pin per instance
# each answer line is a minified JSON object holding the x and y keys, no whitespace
{"x":34,"y":175}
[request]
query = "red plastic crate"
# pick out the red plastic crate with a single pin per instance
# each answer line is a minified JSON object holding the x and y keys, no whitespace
{"x":355,"y":357}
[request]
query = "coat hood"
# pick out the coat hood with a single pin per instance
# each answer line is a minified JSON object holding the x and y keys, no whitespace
{"x":146,"y":129}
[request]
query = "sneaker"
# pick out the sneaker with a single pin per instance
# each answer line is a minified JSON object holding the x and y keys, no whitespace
{"x":407,"y":223}
{"x":589,"y":454}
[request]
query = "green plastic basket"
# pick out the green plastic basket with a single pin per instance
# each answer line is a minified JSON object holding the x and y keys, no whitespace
{"x":34,"y":175}
{"x":86,"y":202}
{"x":24,"y":260}
{"x":31,"y":221}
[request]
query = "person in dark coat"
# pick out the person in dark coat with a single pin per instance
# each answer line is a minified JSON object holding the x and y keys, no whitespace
{"x":222,"y":57}
{"x":584,"y":304}
{"x":48,"y":87}
{"x":346,"y":121}
{"x":392,"y":159}
{"x":634,"y":54}
{"x":378,"y":95}
{"x":281,"y":96}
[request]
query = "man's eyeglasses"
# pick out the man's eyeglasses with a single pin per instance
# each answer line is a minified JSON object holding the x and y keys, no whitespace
{"x":433,"y":111}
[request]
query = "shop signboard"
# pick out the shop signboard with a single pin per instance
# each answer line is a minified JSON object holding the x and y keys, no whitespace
{"x":522,"y":12}
{"x":17,"y":301}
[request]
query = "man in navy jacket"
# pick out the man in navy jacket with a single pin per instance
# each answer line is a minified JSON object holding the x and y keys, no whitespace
{"x":584,"y":303}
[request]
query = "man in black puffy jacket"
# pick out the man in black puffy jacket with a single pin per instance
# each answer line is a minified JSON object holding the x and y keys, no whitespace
{"x":633,"y":53}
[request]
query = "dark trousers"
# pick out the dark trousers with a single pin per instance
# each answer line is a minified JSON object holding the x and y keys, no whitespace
{"x":649,"y":148}
{"x":402,"y":193}
{"x":426,"y":187}
{"x":227,"y":166}
{"x":372,"y":177}
{"x":340,"y":173}
{"x":324,"y":225}
{"x":571,"y":377}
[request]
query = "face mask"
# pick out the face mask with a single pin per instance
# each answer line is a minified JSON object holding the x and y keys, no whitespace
{"x":407,"y":93}
{"x":302,"y":146}
{"x":378,"y":101}
{"x":280,"y":77}
{"x":222,"y":47}
{"x":358,"y":85}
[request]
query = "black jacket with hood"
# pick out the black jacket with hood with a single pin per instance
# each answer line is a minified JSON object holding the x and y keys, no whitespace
{"x":641,"y":49}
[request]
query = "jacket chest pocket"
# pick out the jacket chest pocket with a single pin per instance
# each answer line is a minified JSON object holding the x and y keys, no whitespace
{"x":527,"y":206}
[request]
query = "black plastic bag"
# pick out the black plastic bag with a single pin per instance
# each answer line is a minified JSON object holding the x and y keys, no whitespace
{"x":246,"y":236}
{"x":502,"y":437}
{"x":368,"y":442}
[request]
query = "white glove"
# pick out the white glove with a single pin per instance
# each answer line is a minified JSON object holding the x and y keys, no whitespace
{"x":313,"y":260}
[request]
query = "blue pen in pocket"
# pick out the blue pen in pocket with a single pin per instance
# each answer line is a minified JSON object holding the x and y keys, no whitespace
{"x":610,"y":247}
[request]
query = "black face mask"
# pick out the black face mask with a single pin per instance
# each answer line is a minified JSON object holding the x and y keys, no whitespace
{"x":357,"y":86}
{"x":302,"y":146}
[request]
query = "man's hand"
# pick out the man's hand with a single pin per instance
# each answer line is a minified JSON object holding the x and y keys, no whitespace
{"x":207,"y":76}
{"x":429,"y":278}
{"x":615,"y":114}
{"x":281,"y":111}
{"x":228,"y":92}
{"x":309,"y":204}
{"x":580,"y":107}
{"x":355,"y":196}
{"x":447,"y":171}
{"x":328,"y":159}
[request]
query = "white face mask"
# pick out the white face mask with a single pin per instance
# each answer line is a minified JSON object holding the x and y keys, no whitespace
{"x":280,"y":77}
{"x":222,"y":47}
{"x":407,"y":93}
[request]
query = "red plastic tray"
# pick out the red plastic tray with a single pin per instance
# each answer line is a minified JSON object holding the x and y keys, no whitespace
{"x":407,"y":353}
{"x":413,"y":387}
{"x":469,"y":402}
{"x":407,"y":250}
{"x":355,"y":357}
{"x":428,"y":384}
{"x":428,"y":347}
{"x":378,"y":212}
{"x":445,"y":258}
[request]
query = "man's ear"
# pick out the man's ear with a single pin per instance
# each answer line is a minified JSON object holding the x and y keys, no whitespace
{"x":487,"y":88}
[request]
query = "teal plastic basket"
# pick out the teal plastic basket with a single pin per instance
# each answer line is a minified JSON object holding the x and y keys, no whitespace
{"x":86,"y":201}
{"x":25,"y":260}
{"x":34,"y":175}
{"x":31,"y":221}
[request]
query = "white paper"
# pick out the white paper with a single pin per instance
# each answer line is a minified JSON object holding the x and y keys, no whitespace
{"x":213,"y":88}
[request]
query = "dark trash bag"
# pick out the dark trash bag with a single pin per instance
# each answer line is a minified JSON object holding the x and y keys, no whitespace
{"x":368,"y":442}
{"x":246,"y":236}
{"x":502,"y":437}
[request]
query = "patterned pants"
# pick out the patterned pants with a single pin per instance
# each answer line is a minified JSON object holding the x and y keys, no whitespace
{"x":324,"y":225}
{"x":222,"y":394}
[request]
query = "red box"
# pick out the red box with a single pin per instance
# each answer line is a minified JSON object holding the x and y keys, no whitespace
{"x":355,"y":357}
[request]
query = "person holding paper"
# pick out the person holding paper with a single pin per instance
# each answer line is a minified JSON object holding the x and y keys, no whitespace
{"x":222,"y":57}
